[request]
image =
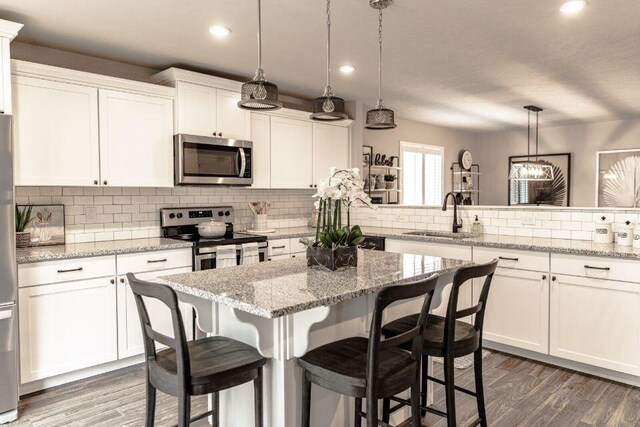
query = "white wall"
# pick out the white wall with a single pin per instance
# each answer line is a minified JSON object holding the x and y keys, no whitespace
{"x":582,"y":141}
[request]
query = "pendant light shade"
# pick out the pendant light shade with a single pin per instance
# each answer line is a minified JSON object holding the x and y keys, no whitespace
{"x":259,"y":94}
{"x":328,"y":107}
{"x":380,"y":117}
{"x":531,"y":170}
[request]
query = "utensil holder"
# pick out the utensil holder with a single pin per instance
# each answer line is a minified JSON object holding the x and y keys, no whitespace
{"x":260,"y":222}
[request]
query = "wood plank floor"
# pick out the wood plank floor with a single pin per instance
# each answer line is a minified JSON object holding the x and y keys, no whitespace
{"x":519,"y":392}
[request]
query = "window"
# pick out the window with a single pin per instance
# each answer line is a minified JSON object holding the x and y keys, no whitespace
{"x":422,"y":168}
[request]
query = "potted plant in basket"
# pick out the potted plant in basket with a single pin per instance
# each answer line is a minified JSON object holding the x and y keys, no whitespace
{"x":390,"y":181}
{"x":23,"y":219}
{"x":335,"y":244}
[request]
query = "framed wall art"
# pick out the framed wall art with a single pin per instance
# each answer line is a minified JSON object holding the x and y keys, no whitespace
{"x":618,"y":179}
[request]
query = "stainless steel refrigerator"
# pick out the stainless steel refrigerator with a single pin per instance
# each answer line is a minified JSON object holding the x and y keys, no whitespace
{"x":8,"y":280}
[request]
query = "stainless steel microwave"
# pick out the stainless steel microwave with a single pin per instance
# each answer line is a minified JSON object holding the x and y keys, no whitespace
{"x":208,"y":160}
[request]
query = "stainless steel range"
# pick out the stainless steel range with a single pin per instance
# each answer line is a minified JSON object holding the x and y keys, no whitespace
{"x":180,"y":223}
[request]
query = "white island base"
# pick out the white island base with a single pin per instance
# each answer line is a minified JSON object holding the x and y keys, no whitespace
{"x":284,"y":339}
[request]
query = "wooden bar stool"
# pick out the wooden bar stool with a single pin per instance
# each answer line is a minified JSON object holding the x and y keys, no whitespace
{"x":185,"y":369}
{"x":449,"y":338}
{"x":372,"y":368}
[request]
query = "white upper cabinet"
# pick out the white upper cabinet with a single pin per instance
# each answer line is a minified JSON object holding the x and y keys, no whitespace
{"x":55,"y":133}
{"x":233,"y":121}
{"x":206,"y":110}
{"x":196,"y":110}
{"x":261,"y":137}
{"x":291,"y":153}
{"x":330,"y":148}
{"x":136,"y":135}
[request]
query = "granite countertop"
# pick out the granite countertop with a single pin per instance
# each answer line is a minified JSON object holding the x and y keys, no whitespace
{"x":278,"y":288}
{"x":564,"y":246}
{"x":83,"y":250}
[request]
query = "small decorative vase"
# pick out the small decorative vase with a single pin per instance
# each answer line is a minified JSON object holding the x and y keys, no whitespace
{"x":332,"y":259}
{"x":23,"y":239}
{"x":391,"y":185}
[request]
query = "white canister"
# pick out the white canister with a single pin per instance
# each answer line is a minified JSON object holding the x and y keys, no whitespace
{"x":624,"y":234}
{"x":602,"y":232}
{"x":636,"y":236}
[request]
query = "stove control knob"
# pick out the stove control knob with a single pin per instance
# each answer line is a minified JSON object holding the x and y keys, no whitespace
{"x":179,"y":215}
{"x":227,"y":213}
{"x":172,"y":215}
{"x":220,"y":213}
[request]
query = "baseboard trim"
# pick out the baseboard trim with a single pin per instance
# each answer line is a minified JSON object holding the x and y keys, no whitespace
{"x":564,"y":363}
{"x":92,"y":371}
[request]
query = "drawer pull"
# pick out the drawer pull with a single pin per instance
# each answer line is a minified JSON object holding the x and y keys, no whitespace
{"x":598,"y":268}
{"x":278,"y":247}
{"x":153,"y":261}
{"x":70,"y":270}
{"x":508,"y":259}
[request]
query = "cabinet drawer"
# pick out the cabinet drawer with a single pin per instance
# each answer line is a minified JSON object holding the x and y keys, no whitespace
{"x":596,"y":267}
{"x":508,"y":258}
{"x":296,"y":247}
{"x":279,"y":247}
{"x":153,"y":261}
{"x":41,"y":273}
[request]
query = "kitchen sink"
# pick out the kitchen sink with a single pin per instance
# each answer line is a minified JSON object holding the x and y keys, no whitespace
{"x":442,"y":234}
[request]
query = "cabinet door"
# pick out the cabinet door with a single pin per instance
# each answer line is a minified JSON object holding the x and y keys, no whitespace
{"x":129,"y":329}
{"x":330,"y":148}
{"x":596,"y":322}
{"x":196,"y":109}
{"x":291,"y":153}
{"x":465,"y":295}
{"x":233,"y":122}
{"x":55,"y":133}
{"x":517,"y":312}
{"x":136,"y":140}
{"x":67,"y":326}
{"x":261,"y":137}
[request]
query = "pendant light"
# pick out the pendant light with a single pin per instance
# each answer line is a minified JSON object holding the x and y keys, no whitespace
{"x":328,"y":107}
{"x":259,"y":94}
{"x":531,"y":170}
{"x":380,"y":117}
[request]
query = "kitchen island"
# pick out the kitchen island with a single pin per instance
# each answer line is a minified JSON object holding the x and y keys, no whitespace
{"x":284,"y":309}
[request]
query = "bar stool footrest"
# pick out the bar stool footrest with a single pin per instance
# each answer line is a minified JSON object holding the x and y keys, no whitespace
{"x":463,"y":390}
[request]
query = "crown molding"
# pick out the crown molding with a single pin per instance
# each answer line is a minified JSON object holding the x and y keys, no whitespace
{"x":172,"y":75}
{"x":9,"y":29}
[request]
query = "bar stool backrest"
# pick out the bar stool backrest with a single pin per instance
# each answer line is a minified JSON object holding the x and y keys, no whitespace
{"x":386,"y":297}
{"x":161,"y":378}
{"x":462,"y":276}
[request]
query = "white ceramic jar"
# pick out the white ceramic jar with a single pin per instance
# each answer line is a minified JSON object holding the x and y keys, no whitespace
{"x":602,"y":232}
{"x":636,"y":236}
{"x":624,"y":234}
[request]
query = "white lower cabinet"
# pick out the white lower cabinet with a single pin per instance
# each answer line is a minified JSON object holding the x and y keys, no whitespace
{"x":67,"y":326}
{"x":596,"y":321}
{"x":517,"y":312}
{"x":130,"y":341}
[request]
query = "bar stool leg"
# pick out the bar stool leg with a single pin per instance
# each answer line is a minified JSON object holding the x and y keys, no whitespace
{"x":358,"y":408}
{"x":151,"y":405}
{"x":477,"y":367}
{"x":415,"y":402}
{"x":306,"y":401}
{"x":372,"y":410}
{"x":215,"y":407}
{"x":184,"y":410}
{"x":425,"y":383}
{"x":386,"y":410}
{"x":450,"y":391}
{"x":257,"y":396}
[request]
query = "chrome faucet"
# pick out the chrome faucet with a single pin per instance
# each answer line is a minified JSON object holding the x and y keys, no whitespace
{"x":456,"y":225}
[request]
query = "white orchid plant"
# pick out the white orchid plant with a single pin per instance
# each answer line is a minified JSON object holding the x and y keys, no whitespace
{"x":338,"y":192}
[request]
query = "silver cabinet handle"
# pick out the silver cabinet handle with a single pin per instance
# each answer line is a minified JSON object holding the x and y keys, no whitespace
{"x":152,"y":261}
{"x":597,"y":268}
{"x":243,"y":162}
{"x":71,"y":270}
{"x":508,"y":259}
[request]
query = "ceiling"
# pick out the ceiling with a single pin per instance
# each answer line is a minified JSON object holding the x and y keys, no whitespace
{"x":465,"y":63}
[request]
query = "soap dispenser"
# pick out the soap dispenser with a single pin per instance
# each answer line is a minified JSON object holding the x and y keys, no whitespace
{"x":477,"y":226}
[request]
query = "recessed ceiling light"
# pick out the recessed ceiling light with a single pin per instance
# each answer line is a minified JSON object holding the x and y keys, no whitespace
{"x":347,"y":69}
{"x":573,"y":7}
{"x":219,"y":31}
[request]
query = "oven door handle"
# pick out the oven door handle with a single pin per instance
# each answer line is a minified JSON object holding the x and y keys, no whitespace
{"x":243,"y":162}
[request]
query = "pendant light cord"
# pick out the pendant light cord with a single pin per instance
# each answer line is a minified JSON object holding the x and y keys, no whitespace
{"x":328,"y":88}
{"x":528,"y":135}
{"x":259,"y":73}
{"x":537,"y":135}
{"x":380,"y":105}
